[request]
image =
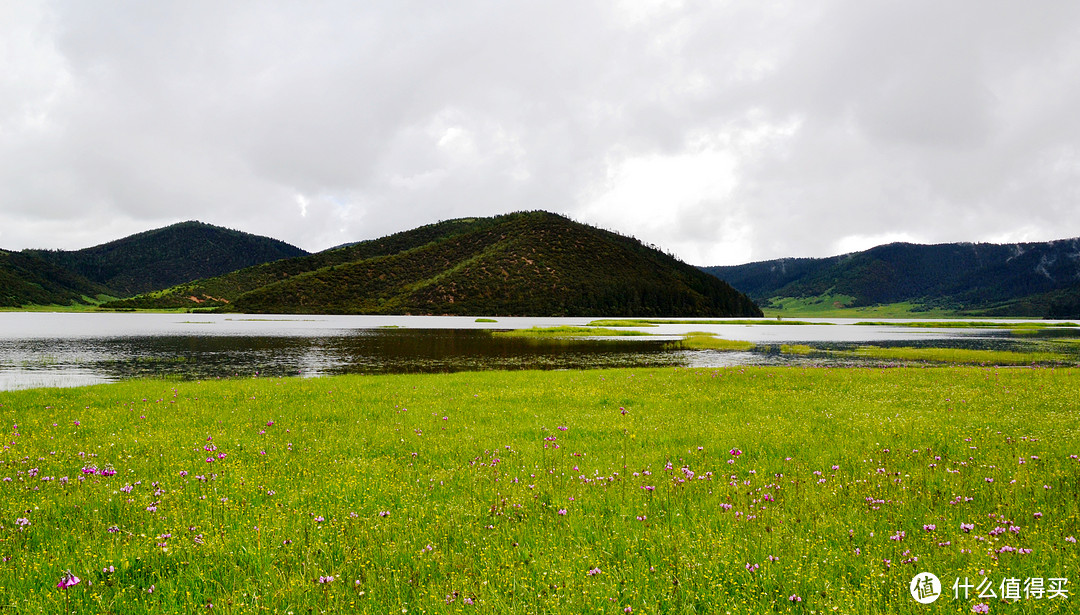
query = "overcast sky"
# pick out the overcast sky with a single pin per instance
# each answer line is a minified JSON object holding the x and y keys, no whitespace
{"x":724,"y":132}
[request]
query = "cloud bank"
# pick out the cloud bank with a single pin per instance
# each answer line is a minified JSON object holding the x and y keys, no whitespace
{"x":724,"y":132}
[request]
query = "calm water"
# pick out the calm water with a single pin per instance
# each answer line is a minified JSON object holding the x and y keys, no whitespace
{"x":58,"y":349}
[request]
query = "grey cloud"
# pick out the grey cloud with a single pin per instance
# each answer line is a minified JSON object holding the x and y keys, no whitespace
{"x":326,"y":122}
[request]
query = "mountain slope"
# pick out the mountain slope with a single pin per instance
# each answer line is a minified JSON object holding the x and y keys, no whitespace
{"x":529,"y":264}
{"x":1016,"y":279}
{"x":222,"y":289}
{"x":26,"y":279}
{"x":168,"y":256}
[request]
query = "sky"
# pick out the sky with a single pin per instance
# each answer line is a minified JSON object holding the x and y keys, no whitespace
{"x":724,"y":132}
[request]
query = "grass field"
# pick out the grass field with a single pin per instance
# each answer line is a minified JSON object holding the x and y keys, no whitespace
{"x":620,"y":491}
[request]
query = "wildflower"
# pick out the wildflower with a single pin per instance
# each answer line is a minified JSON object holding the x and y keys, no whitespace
{"x":68,"y":580}
{"x":1071,"y":539}
{"x":150,"y":589}
{"x":982,"y":607}
{"x":593,"y":572}
{"x":929,"y":528}
{"x":795,"y":598}
{"x":967,"y":527}
{"x":326,"y":579}
{"x":467,"y":600}
{"x":562,"y":511}
{"x":752,"y":567}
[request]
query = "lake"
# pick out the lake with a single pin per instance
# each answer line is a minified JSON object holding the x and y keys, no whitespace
{"x":72,"y":349}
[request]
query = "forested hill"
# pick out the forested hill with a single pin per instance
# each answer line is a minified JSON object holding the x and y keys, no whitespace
{"x":168,"y":256}
{"x":26,"y":279}
{"x":1025,"y":279}
{"x":527,"y":264}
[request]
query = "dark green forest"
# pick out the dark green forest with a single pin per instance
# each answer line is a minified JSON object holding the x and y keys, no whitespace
{"x":1028,"y":279}
{"x":168,"y":256}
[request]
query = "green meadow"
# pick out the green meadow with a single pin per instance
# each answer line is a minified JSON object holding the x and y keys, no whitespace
{"x":756,"y":490}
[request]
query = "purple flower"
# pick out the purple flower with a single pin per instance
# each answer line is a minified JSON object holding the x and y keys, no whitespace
{"x":562,"y":511}
{"x":68,"y":580}
{"x":981,"y":608}
{"x":967,"y":527}
{"x":795,"y":598}
{"x":593,"y":572}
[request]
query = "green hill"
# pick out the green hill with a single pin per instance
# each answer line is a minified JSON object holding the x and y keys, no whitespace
{"x":1028,"y":279}
{"x":168,"y":256}
{"x":528,"y":264}
{"x":26,"y":279}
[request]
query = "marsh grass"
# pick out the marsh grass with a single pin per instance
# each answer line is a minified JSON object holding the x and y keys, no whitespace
{"x":955,"y":355}
{"x":417,"y":492}
{"x":566,"y":331}
{"x":698,"y":340}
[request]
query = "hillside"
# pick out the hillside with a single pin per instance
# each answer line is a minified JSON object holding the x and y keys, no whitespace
{"x":1028,"y":279}
{"x":168,"y":256}
{"x":26,"y":279}
{"x":528,"y":264}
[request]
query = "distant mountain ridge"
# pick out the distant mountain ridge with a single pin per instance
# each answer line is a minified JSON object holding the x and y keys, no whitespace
{"x":167,"y":256}
{"x":1023,"y":279}
{"x":523,"y":264}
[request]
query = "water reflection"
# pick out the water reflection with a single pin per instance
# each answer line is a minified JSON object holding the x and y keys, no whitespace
{"x":39,"y":350}
{"x":58,"y":362}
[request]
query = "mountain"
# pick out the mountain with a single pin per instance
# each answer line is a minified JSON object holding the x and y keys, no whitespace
{"x":1023,"y":279}
{"x":168,"y":256}
{"x":27,"y":279}
{"x":524,"y":264}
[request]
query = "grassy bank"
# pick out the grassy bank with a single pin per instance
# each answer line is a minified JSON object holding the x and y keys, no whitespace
{"x":643,"y":491}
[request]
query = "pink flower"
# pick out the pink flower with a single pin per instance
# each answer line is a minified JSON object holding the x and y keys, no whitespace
{"x":68,"y":580}
{"x":795,"y":598}
{"x":593,"y":572}
{"x":981,"y":608}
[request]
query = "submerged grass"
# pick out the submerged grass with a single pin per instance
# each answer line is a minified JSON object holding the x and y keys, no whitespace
{"x":653,"y":322}
{"x":566,"y":331}
{"x":970,"y":324}
{"x":756,"y":490}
